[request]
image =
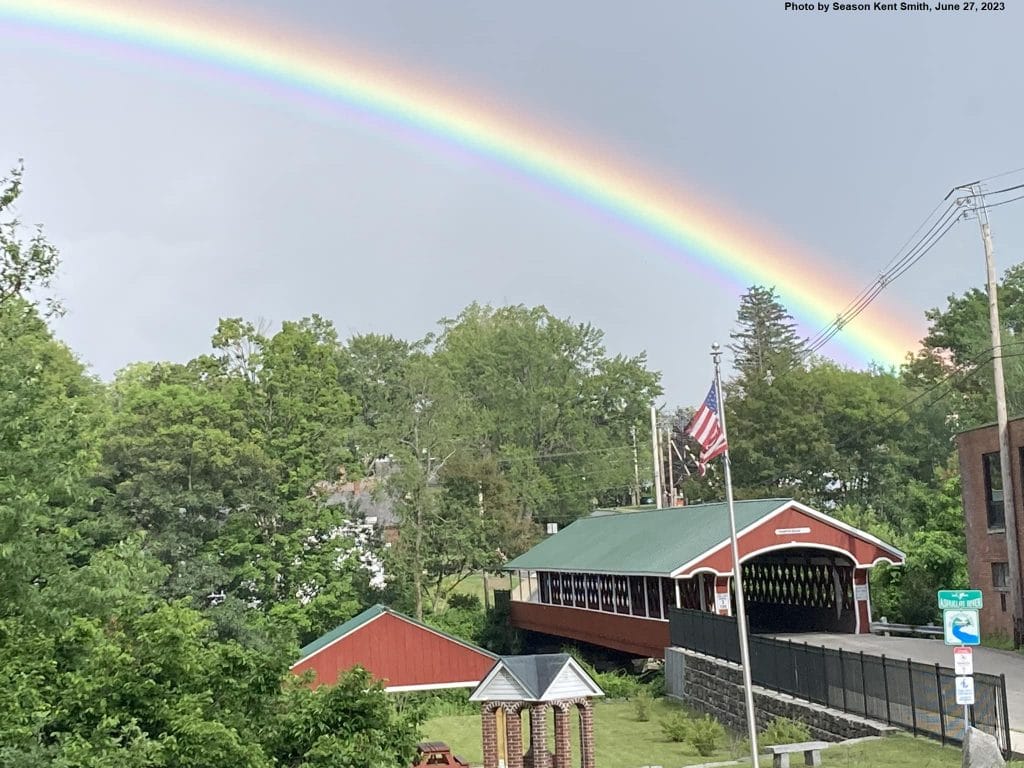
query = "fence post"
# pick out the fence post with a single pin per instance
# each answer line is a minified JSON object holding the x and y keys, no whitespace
{"x":863,"y":684}
{"x":824,"y":675}
{"x":1006,"y":718}
{"x":885,"y":682}
{"x":807,"y":658}
{"x":842,"y":678}
{"x":942,"y":707}
{"x":913,"y":703}
{"x":792,"y":665}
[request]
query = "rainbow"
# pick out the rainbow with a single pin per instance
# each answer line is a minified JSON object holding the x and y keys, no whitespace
{"x":696,"y":234}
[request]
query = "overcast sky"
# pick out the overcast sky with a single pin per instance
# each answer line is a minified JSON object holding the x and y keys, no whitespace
{"x":178,"y":196}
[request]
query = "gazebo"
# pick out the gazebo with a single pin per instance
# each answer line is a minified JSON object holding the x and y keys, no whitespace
{"x":533,"y":684}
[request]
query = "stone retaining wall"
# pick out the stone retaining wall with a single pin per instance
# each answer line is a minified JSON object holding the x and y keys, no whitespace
{"x":715,"y":686}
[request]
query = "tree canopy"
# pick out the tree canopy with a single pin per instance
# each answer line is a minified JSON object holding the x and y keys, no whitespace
{"x":169,"y":539}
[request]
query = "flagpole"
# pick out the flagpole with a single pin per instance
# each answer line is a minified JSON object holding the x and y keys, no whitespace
{"x":655,"y":458}
{"x":741,"y":611}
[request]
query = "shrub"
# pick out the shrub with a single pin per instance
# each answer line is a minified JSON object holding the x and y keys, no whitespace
{"x":617,"y":685}
{"x":464,"y":602}
{"x":739,"y":746}
{"x":642,"y":704}
{"x":676,"y":726}
{"x":705,"y":735}
{"x":783,"y":730}
{"x":656,"y":684}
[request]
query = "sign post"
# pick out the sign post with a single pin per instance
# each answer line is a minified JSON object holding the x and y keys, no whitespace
{"x":961,"y":627}
{"x":963,"y":667}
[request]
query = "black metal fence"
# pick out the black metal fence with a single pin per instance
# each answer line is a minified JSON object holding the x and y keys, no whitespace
{"x":900,"y":692}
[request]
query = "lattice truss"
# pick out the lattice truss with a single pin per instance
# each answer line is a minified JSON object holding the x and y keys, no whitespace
{"x":798,"y":584}
{"x":689,"y":592}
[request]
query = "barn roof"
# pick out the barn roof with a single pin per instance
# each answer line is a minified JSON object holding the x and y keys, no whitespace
{"x":659,"y":542}
{"x":653,"y":542}
{"x":371,"y":613}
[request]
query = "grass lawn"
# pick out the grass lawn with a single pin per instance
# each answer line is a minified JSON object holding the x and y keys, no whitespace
{"x":623,"y":742}
{"x":474,"y":584}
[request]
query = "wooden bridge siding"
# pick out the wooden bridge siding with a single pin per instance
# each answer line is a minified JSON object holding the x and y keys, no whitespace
{"x":630,"y":634}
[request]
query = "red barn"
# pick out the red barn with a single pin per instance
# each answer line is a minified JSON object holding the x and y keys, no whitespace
{"x":396,"y":649}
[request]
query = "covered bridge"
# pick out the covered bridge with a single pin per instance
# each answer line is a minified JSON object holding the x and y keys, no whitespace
{"x":610,"y":579}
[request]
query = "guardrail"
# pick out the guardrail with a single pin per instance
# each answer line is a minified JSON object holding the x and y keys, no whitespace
{"x":883,"y":627}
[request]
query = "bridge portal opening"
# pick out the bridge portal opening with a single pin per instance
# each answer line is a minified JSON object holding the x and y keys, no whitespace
{"x":799,"y":590}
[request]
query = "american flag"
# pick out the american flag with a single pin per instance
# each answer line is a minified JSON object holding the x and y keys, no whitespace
{"x":706,"y":429}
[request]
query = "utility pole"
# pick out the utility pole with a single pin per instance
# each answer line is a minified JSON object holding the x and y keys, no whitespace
{"x":671,"y":469}
{"x":655,"y":458}
{"x":636,"y":469}
{"x":1009,"y":511}
{"x":483,"y":571}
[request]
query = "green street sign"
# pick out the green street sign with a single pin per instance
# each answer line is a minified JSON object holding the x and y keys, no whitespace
{"x":951,"y":599}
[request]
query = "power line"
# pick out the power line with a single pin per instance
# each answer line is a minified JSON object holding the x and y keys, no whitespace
{"x":895,"y":269}
{"x":899,"y":265}
{"x":1001,"y":175}
{"x":969,"y":195}
{"x":990,"y":206}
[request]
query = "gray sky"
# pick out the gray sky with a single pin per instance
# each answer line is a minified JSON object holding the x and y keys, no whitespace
{"x":178,"y":195}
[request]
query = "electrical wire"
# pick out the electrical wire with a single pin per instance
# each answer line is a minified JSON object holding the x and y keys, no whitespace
{"x":989,"y":206}
{"x":944,"y":223}
{"x":899,"y":265}
{"x":1001,"y":175}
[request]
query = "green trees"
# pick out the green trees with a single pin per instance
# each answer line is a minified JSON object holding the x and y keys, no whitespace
{"x":26,"y":266}
{"x":765,"y":339}
{"x":956,"y":354}
{"x":121,"y":507}
{"x":872,"y":447}
{"x":555,"y":410}
{"x":505,"y":418}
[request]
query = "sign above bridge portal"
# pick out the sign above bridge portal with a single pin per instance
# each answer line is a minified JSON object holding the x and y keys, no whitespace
{"x":951,"y":599}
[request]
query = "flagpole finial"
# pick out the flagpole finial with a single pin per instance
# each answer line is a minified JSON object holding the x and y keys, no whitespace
{"x":716,"y":352}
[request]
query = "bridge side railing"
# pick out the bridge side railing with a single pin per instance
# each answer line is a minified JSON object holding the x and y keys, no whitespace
{"x":901,"y":692}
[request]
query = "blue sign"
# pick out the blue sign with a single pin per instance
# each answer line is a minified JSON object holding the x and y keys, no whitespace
{"x":961,"y":627}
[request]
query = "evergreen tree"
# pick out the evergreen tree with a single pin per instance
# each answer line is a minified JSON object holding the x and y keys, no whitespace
{"x":766,"y":338}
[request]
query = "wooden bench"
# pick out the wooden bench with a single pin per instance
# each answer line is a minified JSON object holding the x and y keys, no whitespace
{"x":811,"y":750}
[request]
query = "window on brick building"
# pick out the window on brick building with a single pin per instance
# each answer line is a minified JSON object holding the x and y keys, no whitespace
{"x":993,"y":490}
{"x":1000,"y":576}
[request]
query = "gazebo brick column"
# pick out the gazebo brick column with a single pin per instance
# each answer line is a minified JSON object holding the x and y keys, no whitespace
{"x":539,"y":735}
{"x":490,"y":736}
{"x":514,"y":736}
{"x":587,"y":734}
{"x":563,"y":742}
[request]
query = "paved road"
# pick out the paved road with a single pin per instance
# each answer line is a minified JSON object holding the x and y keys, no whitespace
{"x":986,"y":660}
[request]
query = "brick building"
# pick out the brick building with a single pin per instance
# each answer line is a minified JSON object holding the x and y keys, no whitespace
{"x":984,"y":519}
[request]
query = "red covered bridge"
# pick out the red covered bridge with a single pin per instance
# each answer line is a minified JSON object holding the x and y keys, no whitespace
{"x":610,"y":579}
